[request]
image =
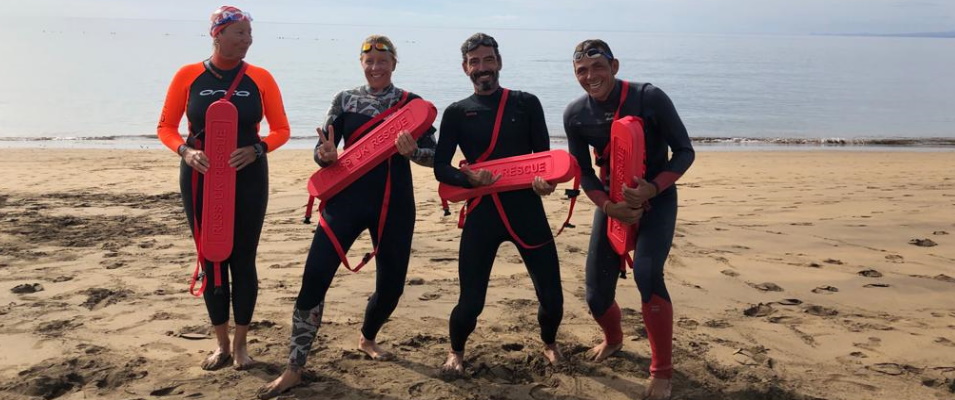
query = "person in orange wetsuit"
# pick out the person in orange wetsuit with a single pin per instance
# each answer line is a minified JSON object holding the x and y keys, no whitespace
{"x":193,"y":89}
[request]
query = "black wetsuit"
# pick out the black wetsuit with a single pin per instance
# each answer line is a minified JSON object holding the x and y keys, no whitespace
{"x":587,"y":124}
{"x":352,"y":211}
{"x":194,"y":88}
{"x":469,"y":124}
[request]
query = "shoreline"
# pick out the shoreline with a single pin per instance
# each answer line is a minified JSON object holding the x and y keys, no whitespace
{"x":150,"y":142}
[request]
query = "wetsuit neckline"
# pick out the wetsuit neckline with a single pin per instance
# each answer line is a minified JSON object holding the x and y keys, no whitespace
{"x":384,"y":91}
{"x":614,"y":99}
{"x":222,"y":73}
{"x":493,"y":95}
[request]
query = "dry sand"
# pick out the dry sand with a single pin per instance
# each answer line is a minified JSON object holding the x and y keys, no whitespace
{"x":767,"y":274}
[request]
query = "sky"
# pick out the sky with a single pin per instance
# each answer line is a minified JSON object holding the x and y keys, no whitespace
{"x":664,"y":16}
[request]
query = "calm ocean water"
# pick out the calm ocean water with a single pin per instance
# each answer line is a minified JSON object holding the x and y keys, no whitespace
{"x":67,"y":81}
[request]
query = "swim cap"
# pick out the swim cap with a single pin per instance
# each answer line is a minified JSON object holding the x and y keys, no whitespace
{"x":225,"y":16}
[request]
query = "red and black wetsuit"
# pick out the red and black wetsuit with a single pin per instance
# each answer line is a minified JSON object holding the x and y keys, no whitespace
{"x":587,"y":124}
{"x":469,"y":123}
{"x":192,"y":90}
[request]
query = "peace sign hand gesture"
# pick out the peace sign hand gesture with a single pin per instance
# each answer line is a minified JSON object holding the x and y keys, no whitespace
{"x":327,"y":151}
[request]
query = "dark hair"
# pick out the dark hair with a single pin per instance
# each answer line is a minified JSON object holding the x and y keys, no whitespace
{"x":594,"y":44}
{"x":479,"y":39}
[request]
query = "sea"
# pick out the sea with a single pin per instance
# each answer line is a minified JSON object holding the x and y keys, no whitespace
{"x":100,"y":83}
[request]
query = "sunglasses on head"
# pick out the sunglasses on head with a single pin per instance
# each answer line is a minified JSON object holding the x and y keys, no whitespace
{"x":227,"y":17}
{"x":592,"y":52}
{"x":486,"y":41}
{"x":367,"y":46}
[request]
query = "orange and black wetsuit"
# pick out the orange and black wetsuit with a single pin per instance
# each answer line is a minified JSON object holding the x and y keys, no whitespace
{"x":587,"y":124}
{"x":192,"y":90}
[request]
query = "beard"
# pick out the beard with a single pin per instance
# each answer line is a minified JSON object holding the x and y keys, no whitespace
{"x":485,"y":85}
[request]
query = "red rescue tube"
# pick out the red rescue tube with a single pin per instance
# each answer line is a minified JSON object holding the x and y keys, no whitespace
{"x":627,"y":160}
{"x":372,"y":149}
{"x":518,"y":172}
{"x":218,"y":200}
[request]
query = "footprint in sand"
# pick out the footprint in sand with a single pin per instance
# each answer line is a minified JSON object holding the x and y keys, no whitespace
{"x":429,"y":296}
{"x":767,"y":287}
{"x":894,"y":258}
{"x":415,"y":282}
{"x":825,"y":289}
{"x":789,"y":302}
{"x":923,"y":242}
{"x":870,"y":273}
{"x":27,"y":288}
{"x":939,"y":233}
{"x":944,"y":342}
{"x":876,"y":285}
{"x":820,"y":311}
{"x":730,"y":273}
{"x":833,"y":261}
{"x":759,"y":310}
{"x":944,"y":278}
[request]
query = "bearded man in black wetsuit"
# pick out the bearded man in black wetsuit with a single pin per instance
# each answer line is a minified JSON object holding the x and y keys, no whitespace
{"x":520,"y":129}
{"x":653,"y":202}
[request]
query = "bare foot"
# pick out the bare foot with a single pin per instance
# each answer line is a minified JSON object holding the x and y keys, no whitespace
{"x":286,"y":381}
{"x":217,"y":360}
{"x":454,"y":365}
{"x":553,"y":354}
{"x":371,"y":348}
{"x":603,"y":350}
{"x":241,"y":360}
{"x":658,"y":389}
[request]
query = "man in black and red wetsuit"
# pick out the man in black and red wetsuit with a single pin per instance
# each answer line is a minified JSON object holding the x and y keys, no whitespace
{"x":653,"y":202}
{"x":470,"y":124}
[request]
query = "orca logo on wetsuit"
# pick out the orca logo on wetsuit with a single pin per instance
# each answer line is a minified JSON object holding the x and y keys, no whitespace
{"x":238,"y":93}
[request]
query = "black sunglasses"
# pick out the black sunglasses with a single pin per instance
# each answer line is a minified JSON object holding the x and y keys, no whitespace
{"x":592,"y":52}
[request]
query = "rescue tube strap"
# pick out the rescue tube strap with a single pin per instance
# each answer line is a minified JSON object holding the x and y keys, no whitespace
{"x":472,"y":204}
{"x":199,"y":272}
{"x":383,"y":216}
{"x":358,"y":134}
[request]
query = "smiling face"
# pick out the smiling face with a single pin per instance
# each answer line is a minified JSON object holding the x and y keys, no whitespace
{"x":378,"y":66}
{"x":596,"y":76}
{"x":483,"y":66}
{"x":234,"y":40}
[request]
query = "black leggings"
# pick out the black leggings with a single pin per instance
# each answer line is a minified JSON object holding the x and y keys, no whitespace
{"x":350,"y":213}
{"x":653,"y":247}
{"x":251,"y":201}
{"x":483,"y":234}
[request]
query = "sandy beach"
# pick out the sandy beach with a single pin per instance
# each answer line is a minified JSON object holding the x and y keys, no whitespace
{"x":794,"y":275}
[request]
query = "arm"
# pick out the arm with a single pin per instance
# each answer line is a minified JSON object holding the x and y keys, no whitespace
{"x":445,"y":149}
{"x":540,"y":139}
{"x":172,"y":110}
{"x":424,"y":154}
{"x":676,"y":137}
{"x":331,"y":119}
{"x":273,"y":109}
{"x":579,"y":148}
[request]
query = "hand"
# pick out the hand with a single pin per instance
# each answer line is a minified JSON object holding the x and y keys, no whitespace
{"x":640,"y":194}
{"x":542,"y":187}
{"x":196,"y":159}
{"x":327,"y":151}
{"x":481,"y":177}
{"x":406,"y":144}
{"x":623,"y":212}
{"x":242,"y":157}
